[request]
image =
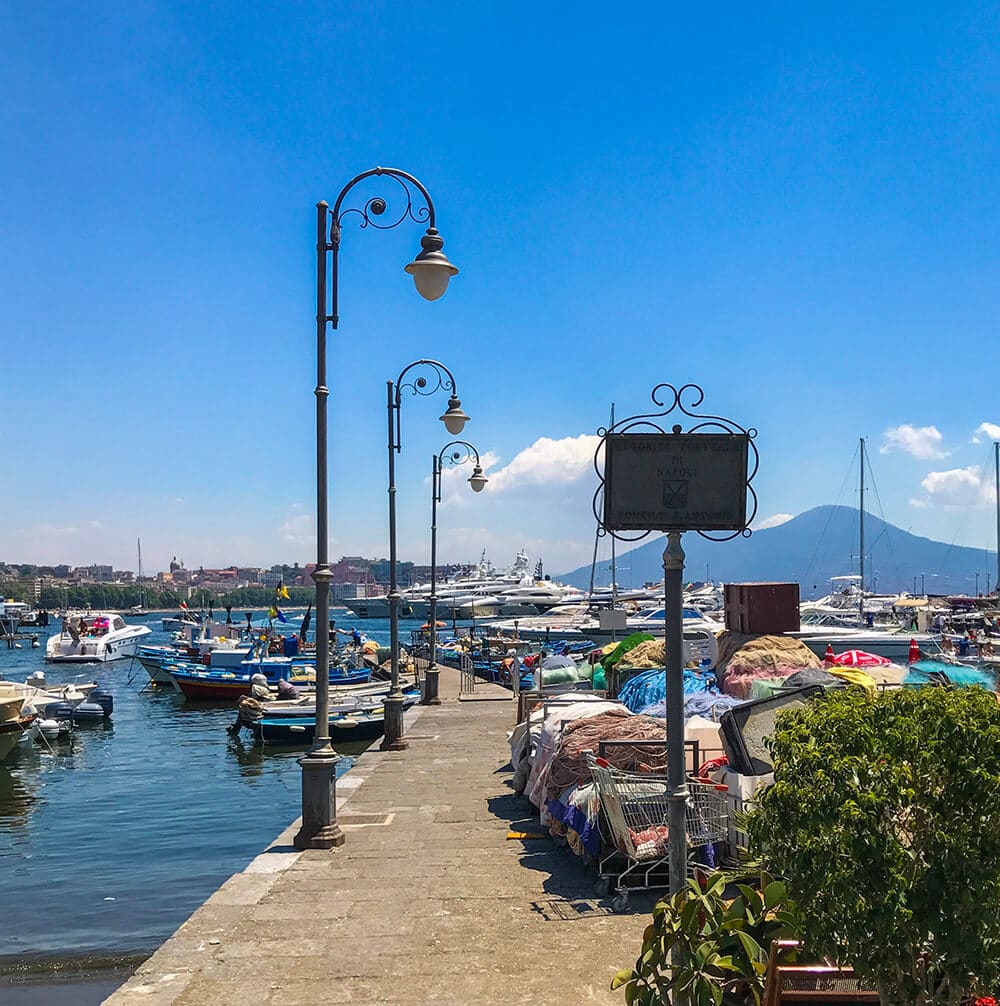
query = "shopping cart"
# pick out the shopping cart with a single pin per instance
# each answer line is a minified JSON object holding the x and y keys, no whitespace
{"x":634,"y":806}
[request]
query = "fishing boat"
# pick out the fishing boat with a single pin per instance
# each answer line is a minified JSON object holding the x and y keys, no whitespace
{"x":198,"y":683}
{"x":94,"y":638}
{"x":359,"y":719}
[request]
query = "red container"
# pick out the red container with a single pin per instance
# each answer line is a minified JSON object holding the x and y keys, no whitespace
{"x":762,"y":608}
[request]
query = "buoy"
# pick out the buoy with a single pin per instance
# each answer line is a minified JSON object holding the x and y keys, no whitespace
{"x":914,"y":654}
{"x":828,"y":657}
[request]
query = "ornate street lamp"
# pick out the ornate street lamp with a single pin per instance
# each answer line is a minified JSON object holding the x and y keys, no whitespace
{"x":458,"y":452}
{"x":431,"y":272}
{"x":431,"y":377}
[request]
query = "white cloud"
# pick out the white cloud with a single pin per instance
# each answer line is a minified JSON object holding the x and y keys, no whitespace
{"x":920,"y":441}
{"x":774,"y":521}
{"x":956,"y":489}
{"x":989,"y":431}
{"x":547,"y":461}
{"x":298,"y":529}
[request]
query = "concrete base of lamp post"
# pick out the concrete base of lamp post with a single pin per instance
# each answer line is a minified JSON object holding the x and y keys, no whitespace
{"x":319,"y":802}
{"x":430,"y":695}
{"x":393,"y":739}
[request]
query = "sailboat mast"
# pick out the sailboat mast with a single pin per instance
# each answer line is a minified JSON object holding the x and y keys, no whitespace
{"x":861,"y":525}
{"x":996,"y":472}
{"x":614,"y":574}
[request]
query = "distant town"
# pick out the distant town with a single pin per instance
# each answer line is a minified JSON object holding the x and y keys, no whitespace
{"x":62,"y":586}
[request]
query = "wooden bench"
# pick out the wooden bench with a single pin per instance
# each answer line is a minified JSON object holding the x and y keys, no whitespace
{"x":812,"y":983}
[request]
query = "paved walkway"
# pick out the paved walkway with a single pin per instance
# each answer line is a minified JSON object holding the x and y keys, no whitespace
{"x":435,"y":906}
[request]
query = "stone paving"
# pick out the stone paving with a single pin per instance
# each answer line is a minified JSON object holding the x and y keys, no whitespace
{"x":434,"y":906}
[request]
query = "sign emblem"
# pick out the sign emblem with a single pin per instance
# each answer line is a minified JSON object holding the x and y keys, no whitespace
{"x":675,"y":494}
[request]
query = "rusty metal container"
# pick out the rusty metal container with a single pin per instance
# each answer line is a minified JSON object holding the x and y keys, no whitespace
{"x":762,"y":608}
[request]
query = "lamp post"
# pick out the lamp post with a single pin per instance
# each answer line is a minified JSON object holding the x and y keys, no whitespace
{"x":431,"y":377}
{"x":431,"y":272}
{"x":458,"y":452}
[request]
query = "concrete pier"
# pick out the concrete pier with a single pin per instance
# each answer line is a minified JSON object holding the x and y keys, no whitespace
{"x":428,"y":902}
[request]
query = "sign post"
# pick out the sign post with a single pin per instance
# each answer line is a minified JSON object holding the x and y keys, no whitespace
{"x":654,"y":480}
{"x":673,"y":642}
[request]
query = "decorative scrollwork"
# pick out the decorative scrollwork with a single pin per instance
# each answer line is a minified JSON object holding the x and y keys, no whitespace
{"x":458,"y":452}
{"x":671,"y":400}
{"x":430,"y":377}
{"x":370,"y":213}
{"x":458,"y":457}
{"x":437,"y":378}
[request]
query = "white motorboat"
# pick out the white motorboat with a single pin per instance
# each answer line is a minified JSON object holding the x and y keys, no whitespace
{"x":36,"y":693}
{"x":94,"y":638}
{"x":180,"y":621}
{"x":891,"y":643}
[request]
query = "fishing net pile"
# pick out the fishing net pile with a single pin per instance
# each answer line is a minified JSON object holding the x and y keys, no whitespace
{"x":651,"y":653}
{"x":649,"y":688}
{"x":745,"y":660}
{"x":569,"y":763}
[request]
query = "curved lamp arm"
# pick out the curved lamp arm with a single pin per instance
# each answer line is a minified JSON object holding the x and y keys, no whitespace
{"x":458,"y":457}
{"x":436,"y":377}
{"x":430,"y":270}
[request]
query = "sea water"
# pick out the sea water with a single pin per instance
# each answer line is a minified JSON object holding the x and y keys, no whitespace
{"x":108,"y":842}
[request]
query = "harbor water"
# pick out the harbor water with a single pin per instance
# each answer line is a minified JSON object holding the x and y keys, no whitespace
{"x":109,"y":841}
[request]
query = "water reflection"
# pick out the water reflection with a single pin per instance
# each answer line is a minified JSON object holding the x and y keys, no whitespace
{"x":131,"y":825}
{"x":16,"y":800}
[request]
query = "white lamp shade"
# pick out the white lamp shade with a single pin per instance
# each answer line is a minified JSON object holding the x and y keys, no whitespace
{"x":431,"y":278}
{"x":431,"y":269}
{"x":455,"y":418}
{"x":454,"y":424}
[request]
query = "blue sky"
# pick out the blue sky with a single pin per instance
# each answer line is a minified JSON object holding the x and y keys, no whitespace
{"x":794,"y":206}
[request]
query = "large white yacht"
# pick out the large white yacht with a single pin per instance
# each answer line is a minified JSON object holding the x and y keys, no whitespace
{"x":94,"y":638}
{"x":483,"y":593}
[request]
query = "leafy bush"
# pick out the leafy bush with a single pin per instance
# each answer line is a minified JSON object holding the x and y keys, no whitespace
{"x":885,"y":819}
{"x":722,"y":944}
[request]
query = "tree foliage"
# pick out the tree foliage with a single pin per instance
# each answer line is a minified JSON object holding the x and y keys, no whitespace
{"x":885,"y":819}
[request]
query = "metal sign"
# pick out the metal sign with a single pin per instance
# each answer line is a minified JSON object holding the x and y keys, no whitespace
{"x":675,"y":481}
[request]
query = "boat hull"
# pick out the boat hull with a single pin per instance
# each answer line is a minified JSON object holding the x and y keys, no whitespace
{"x":11,"y":731}
{"x":207,"y":688}
{"x":892,"y":646}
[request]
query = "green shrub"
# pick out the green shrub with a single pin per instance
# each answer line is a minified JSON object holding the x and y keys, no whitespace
{"x":885,"y":819}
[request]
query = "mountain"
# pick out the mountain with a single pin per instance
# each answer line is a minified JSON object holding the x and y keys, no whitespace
{"x":809,"y":549}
